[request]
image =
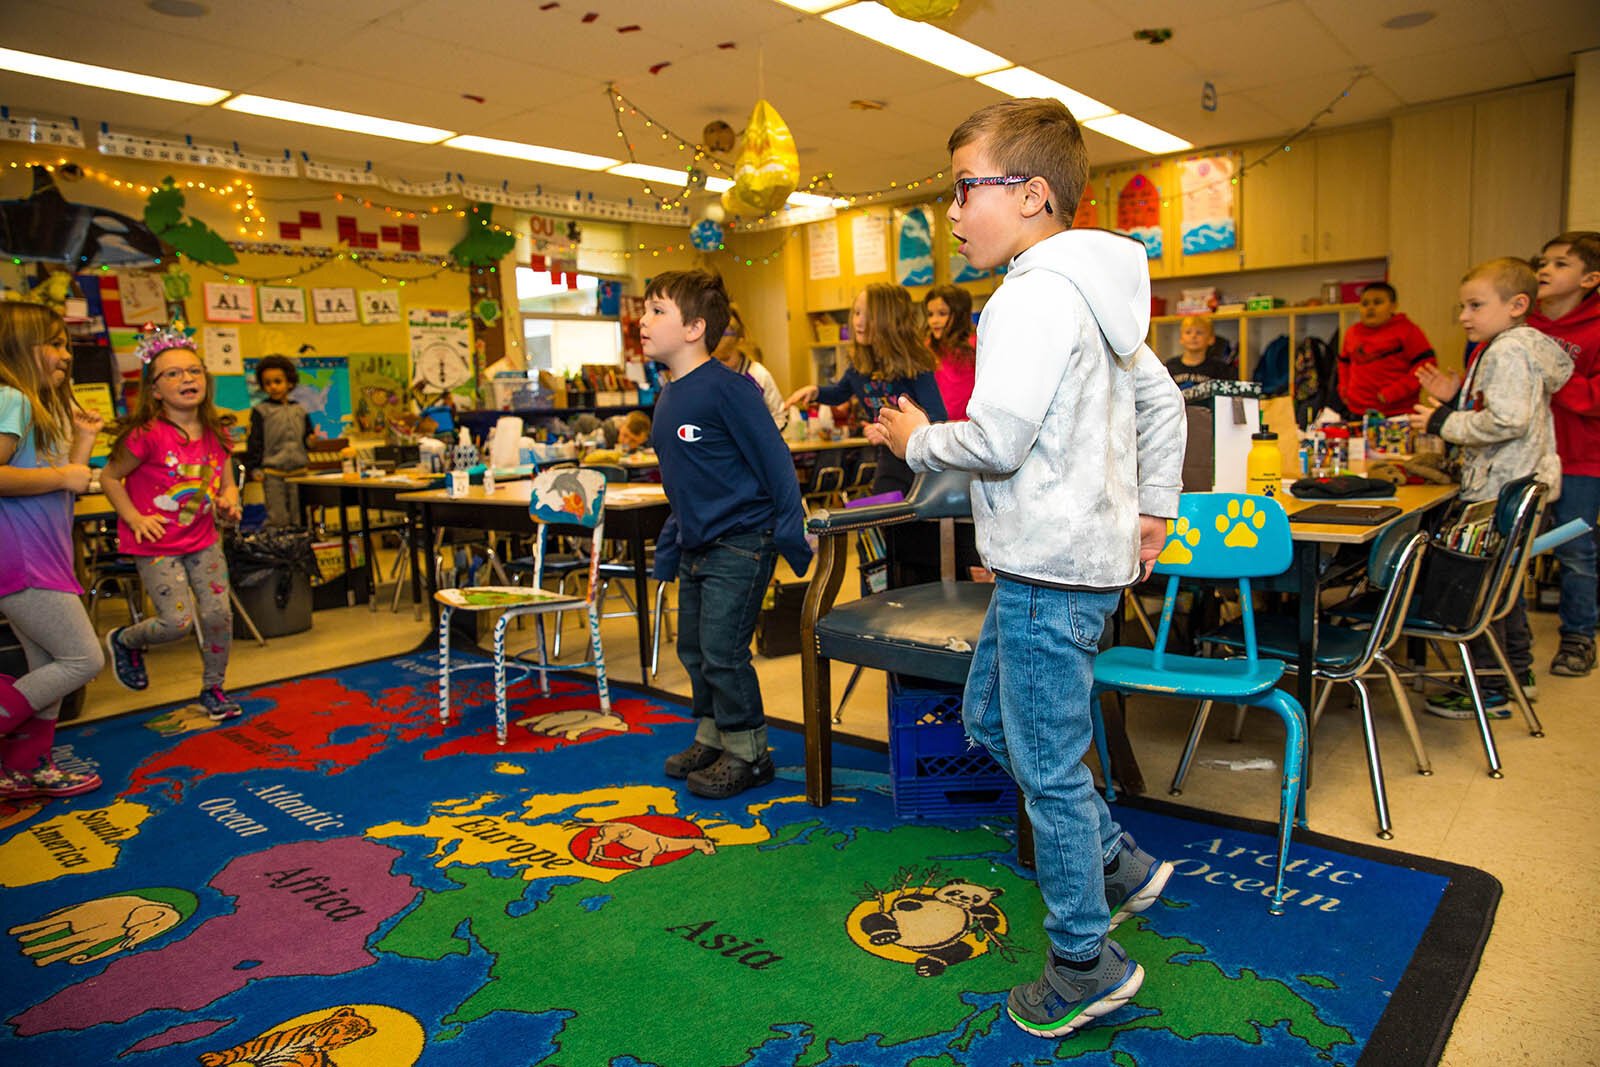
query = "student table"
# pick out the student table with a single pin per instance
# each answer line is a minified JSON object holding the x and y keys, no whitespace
{"x":340,"y":490}
{"x":1308,"y":541}
{"x":634,"y":513}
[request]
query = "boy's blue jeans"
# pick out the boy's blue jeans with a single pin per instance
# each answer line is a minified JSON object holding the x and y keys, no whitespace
{"x":1580,"y":499}
{"x":720,"y":587}
{"x":1027,"y":702}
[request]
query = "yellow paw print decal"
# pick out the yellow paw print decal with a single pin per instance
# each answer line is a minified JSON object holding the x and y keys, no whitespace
{"x":1181,"y":537}
{"x":1241,"y":516}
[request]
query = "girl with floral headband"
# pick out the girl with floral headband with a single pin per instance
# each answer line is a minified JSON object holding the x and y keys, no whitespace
{"x":168,"y":478}
{"x":45,"y":441}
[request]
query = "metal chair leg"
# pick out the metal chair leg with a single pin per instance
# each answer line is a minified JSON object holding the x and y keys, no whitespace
{"x":1197,"y":726}
{"x":238,"y":608}
{"x":1468,"y":669}
{"x":1407,"y":718}
{"x":849,"y":687}
{"x":1369,"y":734}
{"x":1514,"y":685}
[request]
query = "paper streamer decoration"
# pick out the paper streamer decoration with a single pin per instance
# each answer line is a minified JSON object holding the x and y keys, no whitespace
{"x":706,"y":235}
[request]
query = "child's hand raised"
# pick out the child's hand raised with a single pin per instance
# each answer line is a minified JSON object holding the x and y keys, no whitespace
{"x":148,"y":527}
{"x":87,"y":423}
{"x":1439,"y":384}
{"x":896,"y":425}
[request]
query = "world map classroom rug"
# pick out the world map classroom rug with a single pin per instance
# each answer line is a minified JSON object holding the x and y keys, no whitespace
{"x":337,"y":879}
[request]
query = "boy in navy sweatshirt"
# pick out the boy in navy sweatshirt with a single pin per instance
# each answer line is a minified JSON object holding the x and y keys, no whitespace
{"x":735,"y":506}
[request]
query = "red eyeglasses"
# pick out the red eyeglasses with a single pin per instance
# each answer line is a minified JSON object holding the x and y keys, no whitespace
{"x":963,"y":184}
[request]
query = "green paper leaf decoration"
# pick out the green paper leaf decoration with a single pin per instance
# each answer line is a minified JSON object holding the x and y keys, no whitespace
{"x":163,"y":213}
{"x":487,"y":311}
{"x":482,"y":246}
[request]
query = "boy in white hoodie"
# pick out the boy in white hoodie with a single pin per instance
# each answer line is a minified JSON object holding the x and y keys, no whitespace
{"x":1075,"y":433}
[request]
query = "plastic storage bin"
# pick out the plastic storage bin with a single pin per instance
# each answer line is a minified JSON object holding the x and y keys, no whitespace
{"x":936,"y":773}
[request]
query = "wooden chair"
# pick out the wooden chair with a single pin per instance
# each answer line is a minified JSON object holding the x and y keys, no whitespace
{"x":567,"y":497}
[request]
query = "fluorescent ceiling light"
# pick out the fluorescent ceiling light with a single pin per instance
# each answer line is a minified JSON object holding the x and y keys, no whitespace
{"x":533,"y":153}
{"x":813,"y":200}
{"x":645,"y":172}
{"x":1129,"y":130}
{"x":267,"y":107}
{"x":121,"y":81}
{"x":925,"y":42}
{"x":813,"y":6}
{"x":718,"y":185}
{"x":1020,"y":81}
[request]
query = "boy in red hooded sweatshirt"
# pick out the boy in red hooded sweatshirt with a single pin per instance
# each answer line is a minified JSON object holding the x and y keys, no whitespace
{"x":1380,"y":356}
{"x":1569,"y":314}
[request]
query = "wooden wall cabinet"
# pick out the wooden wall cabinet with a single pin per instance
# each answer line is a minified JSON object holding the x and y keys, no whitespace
{"x":1325,"y":200}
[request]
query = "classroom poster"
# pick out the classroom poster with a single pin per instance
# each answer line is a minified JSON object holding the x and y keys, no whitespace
{"x":334,"y":305}
{"x":1088,"y":213}
{"x":442,"y":355}
{"x":324,"y":391}
{"x":379,"y":388}
{"x":913,"y":246}
{"x":96,"y":397}
{"x":228,"y":302}
{"x":869,"y":242}
{"x":1208,"y":206}
{"x":219,"y":349}
{"x":1139,"y":213}
{"x":282,"y":303}
{"x":379,"y":306}
{"x":144,"y":298}
{"x":822,"y":244}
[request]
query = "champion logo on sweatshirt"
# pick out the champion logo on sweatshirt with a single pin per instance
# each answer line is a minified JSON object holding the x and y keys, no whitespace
{"x":688,"y":432}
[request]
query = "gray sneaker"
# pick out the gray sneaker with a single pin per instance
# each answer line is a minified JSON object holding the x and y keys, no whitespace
{"x":1061,"y":1000}
{"x":1134,"y":882}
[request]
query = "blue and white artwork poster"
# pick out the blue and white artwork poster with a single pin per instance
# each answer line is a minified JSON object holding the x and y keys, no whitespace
{"x":913,"y":246}
{"x":1208,"y":204}
{"x":324,"y":391}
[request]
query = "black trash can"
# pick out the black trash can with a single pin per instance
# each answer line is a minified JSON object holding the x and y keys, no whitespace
{"x":272,"y":571}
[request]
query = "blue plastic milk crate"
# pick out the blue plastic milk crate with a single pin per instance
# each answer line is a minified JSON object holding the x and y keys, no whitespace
{"x":937,"y":774}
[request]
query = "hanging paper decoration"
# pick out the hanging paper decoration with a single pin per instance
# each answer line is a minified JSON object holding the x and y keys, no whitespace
{"x":923,"y":10}
{"x":913,"y":246}
{"x":482,"y":246}
{"x":1139,"y":213}
{"x":487,"y":311}
{"x":706,"y":236}
{"x":1088,"y":214}
{"x":1208,"y":210}
{"x":768,"y":169}
{"x":45,"y":226}
{"x":163,"y":213}
{"x":717,"y":136}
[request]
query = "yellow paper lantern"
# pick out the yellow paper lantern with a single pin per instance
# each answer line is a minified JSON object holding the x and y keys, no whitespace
{"x":923,"y":10}
{"x":768,"y":168}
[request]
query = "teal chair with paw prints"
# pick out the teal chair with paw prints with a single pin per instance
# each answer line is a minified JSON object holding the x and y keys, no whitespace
{"x":1218,"y":536}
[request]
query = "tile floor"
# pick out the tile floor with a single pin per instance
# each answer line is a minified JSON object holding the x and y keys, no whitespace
{"x":1532,"y":1001}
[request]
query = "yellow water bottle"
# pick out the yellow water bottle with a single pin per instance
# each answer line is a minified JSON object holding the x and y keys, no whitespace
{"x":1264,"y":466}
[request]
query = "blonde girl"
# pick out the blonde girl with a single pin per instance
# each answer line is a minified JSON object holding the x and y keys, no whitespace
{"x":45,"y":441}
{"x":888,"y":359}
{"x":168,"y":477}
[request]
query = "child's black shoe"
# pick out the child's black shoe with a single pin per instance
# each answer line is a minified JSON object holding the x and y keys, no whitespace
{"x":694,"y":758}
{"x":730,"y":776}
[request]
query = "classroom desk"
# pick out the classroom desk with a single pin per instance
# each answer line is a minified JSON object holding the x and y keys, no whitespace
{"x":1308,"y":541}
{"x":634,"y":513}
{"x":339,"y":489}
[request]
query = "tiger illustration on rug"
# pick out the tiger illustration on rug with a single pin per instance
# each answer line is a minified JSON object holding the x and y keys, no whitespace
{"x":300,"y":1046}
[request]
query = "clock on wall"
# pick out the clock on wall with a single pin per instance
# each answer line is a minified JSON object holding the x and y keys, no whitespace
{"x":440,"y":363}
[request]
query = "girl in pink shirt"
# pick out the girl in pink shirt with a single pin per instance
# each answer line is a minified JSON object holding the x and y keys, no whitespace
{"x":45,"y":441}
{"x":949,"y":311}
{"x":169,"y":473}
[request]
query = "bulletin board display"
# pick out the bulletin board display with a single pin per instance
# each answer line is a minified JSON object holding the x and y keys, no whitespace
{"x":324,"y":391}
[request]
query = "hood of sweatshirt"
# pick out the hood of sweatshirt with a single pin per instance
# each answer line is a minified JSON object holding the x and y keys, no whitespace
{"x":1586,"y":316}
{"x":1110,"y":270}
{"x":1555,"y":366}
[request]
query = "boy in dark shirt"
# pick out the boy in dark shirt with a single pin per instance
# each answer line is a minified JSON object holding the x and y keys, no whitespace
{"x":735,"y":506}
{"x":280,"y":432}
{"x":1198,"y":363}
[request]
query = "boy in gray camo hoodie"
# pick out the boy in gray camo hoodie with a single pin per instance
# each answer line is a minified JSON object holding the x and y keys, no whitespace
{"x":276,"y":448}
{"x":1075,"y":437}
{"x":1501,"y":419}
